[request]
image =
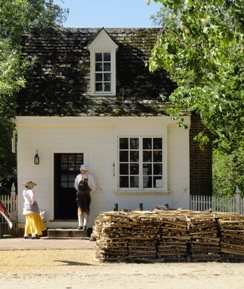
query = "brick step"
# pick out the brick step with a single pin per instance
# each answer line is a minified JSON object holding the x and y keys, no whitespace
{"x":68,"y":233}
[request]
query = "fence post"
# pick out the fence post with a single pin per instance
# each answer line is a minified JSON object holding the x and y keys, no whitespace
{"x":238,"y":196}
{"x":13,"y":190}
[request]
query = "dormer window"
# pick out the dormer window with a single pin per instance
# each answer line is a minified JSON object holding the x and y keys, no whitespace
{"x":103,"y":72}
{"x":103,"y":65}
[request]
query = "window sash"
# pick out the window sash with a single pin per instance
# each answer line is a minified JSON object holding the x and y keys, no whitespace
{"x":103,"y":72}
{"x":141,"y":163}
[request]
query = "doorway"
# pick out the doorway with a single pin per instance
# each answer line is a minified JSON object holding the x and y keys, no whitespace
{"x":66,"y":167}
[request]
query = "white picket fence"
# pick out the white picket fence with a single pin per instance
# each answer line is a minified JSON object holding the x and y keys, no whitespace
{"x":218,"y":204}
{"x":10,"y":202}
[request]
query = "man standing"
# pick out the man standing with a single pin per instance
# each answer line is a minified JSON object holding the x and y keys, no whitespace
{"x":84,"y":184}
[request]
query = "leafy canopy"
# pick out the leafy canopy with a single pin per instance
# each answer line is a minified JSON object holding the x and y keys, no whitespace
{"x":201,"y":47}
{"x":15,"y":16}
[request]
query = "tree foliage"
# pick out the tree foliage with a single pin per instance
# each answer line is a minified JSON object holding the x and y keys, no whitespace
{"x":15,"y":16}
{"x":201,"y":47}
{"x":228,"y":172}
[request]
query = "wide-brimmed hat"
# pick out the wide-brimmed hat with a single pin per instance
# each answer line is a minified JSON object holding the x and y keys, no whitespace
{"x":27,"y":183}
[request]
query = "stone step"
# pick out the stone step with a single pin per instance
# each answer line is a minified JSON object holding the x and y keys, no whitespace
{"x":68,"y":233}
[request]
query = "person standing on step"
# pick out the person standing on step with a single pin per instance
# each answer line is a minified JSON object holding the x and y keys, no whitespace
{"x":33,"y":225}
{"x":85,"y":184}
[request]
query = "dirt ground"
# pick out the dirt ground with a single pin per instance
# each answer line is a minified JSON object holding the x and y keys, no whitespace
{"x":75,"y":268}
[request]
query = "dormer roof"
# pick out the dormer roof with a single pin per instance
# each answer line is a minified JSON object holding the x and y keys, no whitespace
{"x":103,"y":41}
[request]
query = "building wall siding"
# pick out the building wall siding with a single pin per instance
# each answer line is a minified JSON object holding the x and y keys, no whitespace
{"x":97,"y":138}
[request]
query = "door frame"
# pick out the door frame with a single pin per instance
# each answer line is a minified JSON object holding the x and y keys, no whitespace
{"x":52,"y":167}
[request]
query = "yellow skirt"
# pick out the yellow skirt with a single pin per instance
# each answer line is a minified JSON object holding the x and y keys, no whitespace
{"x":34,"y":224}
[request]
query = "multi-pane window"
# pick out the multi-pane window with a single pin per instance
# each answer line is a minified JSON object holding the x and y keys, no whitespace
{"x":69,"y":167}
{"x":103,"y":72}
{"x":141,"y":162}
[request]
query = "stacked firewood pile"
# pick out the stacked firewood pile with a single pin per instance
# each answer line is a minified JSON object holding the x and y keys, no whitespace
{"x":173,"y":240}
{"x":143,"y":236}
{"x":111,"y":231}
{"x":232,"y":237}
{"x":204,"y":236}
{"x":169,"y":236}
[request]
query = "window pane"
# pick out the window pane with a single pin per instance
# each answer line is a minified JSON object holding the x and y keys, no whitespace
{"x":99,"y":66}
{"x":64,"y":158}
{"x":124,"y":169}
{"x":123,"y":143}
{"x":157,"y":143}
{"x":99,"y":87}
{"x":134,"y":182}
{"x":71,"y":178}
{"x":134,"y":143}
{"x":106,"y":66}
{"x":64,"y":178}
{"x":147,"y":143}
{"x":64,"y":166}
{"x":98,"y":56}
{"x":99,"y":77}
{"x":147,"y":156}
{"x":64,"y":182}
{"x":134,"y":156}
{"x":123,"y":156}
{"x":157,"y":182}
{"x":147,"y":169}
{"x":71,"y":158}
{"x":147,"y":182}
{"x":107,"y":87}
{"x":71,"y":184}
{"x":157,"y":169}
{"x":157,"y":156}
{"x":134,"y":169}
{"x":79,"y":160}
{"x":107,"y":57}
{"x":107,"y":76}
{"x":124,"y":182}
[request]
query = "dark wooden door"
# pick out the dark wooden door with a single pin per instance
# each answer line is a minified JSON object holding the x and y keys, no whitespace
{"x":66,"y":167}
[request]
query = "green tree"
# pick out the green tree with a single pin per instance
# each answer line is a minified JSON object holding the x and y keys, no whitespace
{"x":201,"y":47}
{"x":15,"y":16}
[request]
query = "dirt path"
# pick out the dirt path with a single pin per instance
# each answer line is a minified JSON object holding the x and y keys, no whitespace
{"x":77,"y":268}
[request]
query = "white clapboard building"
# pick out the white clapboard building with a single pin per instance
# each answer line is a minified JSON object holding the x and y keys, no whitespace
{"x":91,"y":99}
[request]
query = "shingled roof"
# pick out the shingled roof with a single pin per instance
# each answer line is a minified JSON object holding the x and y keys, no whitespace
{"x":57,"y":82}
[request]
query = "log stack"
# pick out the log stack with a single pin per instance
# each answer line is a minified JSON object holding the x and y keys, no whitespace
{"x":173,"y":241}
{"x":142,"y":242}
{"x":232,"y":237}
{"x":204,"y":237}
{"x":111,"y":231}
{"x":169,"y":236}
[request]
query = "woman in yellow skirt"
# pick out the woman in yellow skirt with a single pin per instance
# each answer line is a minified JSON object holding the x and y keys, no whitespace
{"x":33,"y":225}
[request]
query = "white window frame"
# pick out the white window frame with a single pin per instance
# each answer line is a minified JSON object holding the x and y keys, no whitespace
{"x":112,"y":92}
{"x":141,"y":189}
{"x":102,"y":63}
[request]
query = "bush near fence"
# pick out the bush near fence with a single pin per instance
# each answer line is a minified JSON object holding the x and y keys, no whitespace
{"x":169,"y":236}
